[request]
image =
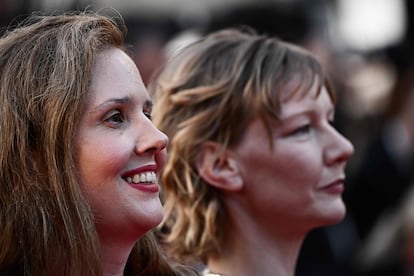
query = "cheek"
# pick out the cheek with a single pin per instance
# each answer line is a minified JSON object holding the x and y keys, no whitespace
{"x":292,"y":166}
{"x":281,"y":183}
{"x":101,"y":160}
{"x":302,"y":167}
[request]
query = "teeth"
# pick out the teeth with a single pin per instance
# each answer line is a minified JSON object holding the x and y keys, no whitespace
{"x":145,"y":177}
{"x":137,"y":179}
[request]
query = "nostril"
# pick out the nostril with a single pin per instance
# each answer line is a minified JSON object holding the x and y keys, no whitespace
{"x":347,"y":150}
{"x":161,"y":144}
{"x":153,"y":149}
{"x":152,"y":141}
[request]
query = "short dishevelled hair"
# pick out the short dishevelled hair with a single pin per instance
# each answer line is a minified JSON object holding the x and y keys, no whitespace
{"x":210,"y":91}
{"x":46,"y":225}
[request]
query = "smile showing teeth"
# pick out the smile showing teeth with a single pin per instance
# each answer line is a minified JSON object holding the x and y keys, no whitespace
{"x":142,"y":178}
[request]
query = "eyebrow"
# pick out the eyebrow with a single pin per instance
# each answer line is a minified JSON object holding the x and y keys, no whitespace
{"x":148,"y":103}
{"x":308,"y":112}
{"x":111,"y":101}
{"x":119,"y":101}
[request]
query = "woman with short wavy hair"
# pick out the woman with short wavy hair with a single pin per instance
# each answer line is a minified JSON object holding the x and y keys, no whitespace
{"x":254,"y":162}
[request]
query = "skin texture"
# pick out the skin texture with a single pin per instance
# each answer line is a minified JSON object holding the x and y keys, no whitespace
{"x":289,"y":182}
{"x":116,"y":136}
{"x":275,"y":196}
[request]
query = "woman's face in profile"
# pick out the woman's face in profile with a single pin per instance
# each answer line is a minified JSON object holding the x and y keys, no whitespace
{"x":120,"y":152}
{"x":301,"y":180}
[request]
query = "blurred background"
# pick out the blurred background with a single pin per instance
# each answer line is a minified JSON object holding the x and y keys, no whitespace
{"x":367,"y":48}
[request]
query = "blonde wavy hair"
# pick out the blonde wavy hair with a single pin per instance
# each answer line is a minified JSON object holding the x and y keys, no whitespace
{"x":210,"y":91}
{"x":46,"y":225}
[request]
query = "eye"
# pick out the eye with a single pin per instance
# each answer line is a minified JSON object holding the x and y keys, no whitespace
{"x":303,"y":130}
{"x":148,"y":115}
{"x":114,"y":118}
{"x":148,"y":111}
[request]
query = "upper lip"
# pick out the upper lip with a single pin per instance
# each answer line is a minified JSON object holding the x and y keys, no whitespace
{"x":146,"y":168}
{"x":339,"y":180}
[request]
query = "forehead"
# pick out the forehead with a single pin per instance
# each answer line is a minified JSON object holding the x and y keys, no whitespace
{"x":114,"y":62}
{"x":301,"y":86}
{"x":313,"y":101}
{"x":115,"y":73}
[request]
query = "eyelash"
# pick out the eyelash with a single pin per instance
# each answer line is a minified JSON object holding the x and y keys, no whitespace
{"x":115,"y":118}
{"x":305,"y":129}
{"x":148,"y":115}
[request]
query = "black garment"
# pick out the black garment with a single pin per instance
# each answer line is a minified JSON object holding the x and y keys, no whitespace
{"x":328,"y":251}
{"x":379,"y":185}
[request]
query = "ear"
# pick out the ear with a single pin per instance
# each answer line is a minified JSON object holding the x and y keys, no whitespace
{"x":218,"y":167}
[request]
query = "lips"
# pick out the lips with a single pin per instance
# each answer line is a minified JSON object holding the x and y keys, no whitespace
{"x":335,"y":187}
{"x":142,"y":178}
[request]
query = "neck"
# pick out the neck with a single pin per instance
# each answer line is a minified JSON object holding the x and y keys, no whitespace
{"x":256,"y":259}
{"x":114,"y":256}
{"x":252,"y":248}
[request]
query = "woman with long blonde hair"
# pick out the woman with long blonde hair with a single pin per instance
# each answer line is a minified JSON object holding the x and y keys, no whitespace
{"x":79,"y":157}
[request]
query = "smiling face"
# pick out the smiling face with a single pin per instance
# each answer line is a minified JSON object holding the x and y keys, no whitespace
{"x":120,"y":152}
{"x":300,"y":181}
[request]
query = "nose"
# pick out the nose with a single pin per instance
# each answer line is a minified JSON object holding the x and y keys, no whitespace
{"x":338,"y":148}
{"x":151,"y":141}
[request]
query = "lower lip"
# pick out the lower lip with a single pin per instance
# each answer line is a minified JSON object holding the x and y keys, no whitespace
{"x":148,"y":188}
{"x":337,"y":188}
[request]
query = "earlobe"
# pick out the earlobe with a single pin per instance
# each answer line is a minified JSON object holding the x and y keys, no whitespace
{"x":218,"y":167}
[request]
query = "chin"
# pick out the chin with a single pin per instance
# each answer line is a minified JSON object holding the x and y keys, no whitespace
{"x":156,"y":220}
{"x":145,"y":219}
{"x":139,"y":227}
{"x":153,"y":219}
{"x":332,"y":214}
{"x":335,"y":214}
